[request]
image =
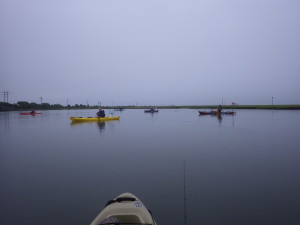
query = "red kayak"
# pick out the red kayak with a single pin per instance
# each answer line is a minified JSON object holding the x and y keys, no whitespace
{"x":205,"y":113}
{"x":29,"y":113}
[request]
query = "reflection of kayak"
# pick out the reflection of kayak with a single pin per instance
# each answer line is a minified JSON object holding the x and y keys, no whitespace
{"x":217,"y":113}
{"x":125,"y":209}
{"x":29,"y":113}
{"x":85,"y":119}
{"x":82,"y":122}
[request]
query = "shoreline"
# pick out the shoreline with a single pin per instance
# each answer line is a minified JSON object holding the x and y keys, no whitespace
{"x":267,"y":107}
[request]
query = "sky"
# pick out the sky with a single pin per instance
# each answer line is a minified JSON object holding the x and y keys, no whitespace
{"x":150,"y":52}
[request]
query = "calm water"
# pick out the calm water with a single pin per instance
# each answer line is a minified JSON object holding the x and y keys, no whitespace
{"x":242,"y":169}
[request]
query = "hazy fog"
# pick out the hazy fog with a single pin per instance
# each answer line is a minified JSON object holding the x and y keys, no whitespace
{"x":150,"y":51}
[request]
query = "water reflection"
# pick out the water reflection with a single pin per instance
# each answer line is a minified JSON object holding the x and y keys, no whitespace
{"x":5,"y":115}
{"x":219,"y":117}
{"x":101,"y":125}
{"x":222,"y":118}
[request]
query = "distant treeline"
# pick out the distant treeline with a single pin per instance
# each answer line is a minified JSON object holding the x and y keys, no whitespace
{"x":275,"y":107}
{"x":23,"y":105}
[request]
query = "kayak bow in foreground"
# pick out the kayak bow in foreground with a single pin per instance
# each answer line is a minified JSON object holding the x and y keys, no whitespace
{"x":125,"y":209}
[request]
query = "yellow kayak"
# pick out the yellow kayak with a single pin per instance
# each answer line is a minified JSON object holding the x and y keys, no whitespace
{"x":86,"y":119}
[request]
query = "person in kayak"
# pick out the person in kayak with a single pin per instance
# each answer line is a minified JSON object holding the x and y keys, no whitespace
{"x":219,"y":109}
{"x":33,"y":111}
{"x":101,"y":113}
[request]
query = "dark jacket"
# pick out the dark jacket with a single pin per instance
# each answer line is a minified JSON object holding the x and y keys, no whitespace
{"x":101,"y":113}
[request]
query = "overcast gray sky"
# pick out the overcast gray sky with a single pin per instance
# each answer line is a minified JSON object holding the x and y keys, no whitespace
{"x":158,"y":52}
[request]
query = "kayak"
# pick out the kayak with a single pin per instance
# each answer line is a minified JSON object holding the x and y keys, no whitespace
{"x":85,"y":119}
{"x":229,"y":113}
{"x":125,"y":209}
{"x":217,"y":113}
{"x":151,"y":111}
{"x":204,"y":113}
{"x":29,"y":113}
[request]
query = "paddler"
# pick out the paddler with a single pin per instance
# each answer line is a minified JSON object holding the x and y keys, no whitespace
{"x":101,"y":113}
{"x":219,"y":109}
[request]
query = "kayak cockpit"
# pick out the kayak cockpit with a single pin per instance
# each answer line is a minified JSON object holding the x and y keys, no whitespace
{"x":123,"y":219}
{"x":125,"y":209}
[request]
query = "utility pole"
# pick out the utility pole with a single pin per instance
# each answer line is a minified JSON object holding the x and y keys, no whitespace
{"x":5,"y":96}
{"x":41,"y":100}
